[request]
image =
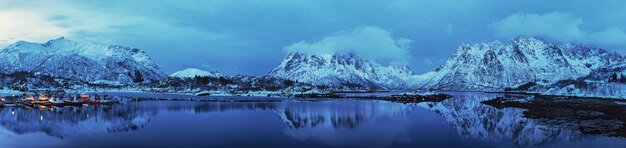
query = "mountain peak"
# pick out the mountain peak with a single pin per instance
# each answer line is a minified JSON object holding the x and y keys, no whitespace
{"x":524,"y":59}
{"x":84,"y":60}
{"x":21,"y":43}
{"x":59,"y":40}
{"x":326,"y":56}
{"x":193,"y":72}
{"x":340,"y":69}
{"x":528,"y":39}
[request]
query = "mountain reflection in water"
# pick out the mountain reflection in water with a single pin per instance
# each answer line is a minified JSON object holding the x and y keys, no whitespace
{"x":370,"y":123}
{"x":587,"y":115}
{"x":473,"y":119}
{"x":67,"y":121}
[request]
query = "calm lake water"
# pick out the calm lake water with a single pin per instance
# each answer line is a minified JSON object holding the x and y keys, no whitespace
{"x":462,"y":121}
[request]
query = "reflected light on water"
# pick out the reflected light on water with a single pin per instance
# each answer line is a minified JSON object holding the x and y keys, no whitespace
{"x":341,"y":123}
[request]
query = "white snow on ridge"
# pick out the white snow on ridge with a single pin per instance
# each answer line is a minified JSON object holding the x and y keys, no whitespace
{"x":341,"y":70}
{"x":479,"y":67}
{"x":80,"y":60}
{"x":601,"y":90}
{"x":193,"y":72}
{"x":496,"y":65}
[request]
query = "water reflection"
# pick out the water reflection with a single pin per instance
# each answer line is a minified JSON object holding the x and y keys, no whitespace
{"x":472,"y":119}
{"x":66,"y":121}
{"x":333,"y":122}
{"x":338,"y":114}
{"x":587,"y":115}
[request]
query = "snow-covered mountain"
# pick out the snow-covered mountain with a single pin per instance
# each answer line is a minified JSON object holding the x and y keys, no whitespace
{"x":607,"y":81}
{"x":193,"y":72}
{"x":497,"y":65}
{"x":80,"y":60}
{"x":337,"y":70}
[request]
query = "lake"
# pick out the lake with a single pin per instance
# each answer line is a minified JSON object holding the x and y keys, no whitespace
{"x":462,"y":121}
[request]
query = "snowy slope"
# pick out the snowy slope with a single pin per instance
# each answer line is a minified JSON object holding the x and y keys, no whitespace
{"x":596,"y":84}
{"x":193,"y":72}
{"x":80,"y":60}
{"x":497,"y":65}
{"x":341,"y":70}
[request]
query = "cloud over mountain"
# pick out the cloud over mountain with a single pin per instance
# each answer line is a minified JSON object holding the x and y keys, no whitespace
{"x":369,"y":42}
{"x":559,"y":26}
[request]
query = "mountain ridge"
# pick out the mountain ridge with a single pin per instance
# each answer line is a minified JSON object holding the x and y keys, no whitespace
{"x":193,"y":72}
{"x":80,"y":60}
{"x":341,"y":70}
{"x":496,"y":65}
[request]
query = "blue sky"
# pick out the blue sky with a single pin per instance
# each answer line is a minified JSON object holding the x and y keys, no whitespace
{"x":251,"y":37}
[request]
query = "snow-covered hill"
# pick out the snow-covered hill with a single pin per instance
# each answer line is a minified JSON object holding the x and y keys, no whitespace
{"x":497,"y":65}
{"x":337,"y":70}
{"x":80,"y":60}
{"x":193,"y":72}
{"x":607,"y":81}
